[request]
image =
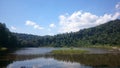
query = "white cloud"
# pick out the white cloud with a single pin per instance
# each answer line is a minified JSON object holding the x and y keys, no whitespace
{"x":13,"y":28}
{"x":116,"y":15}
{"x":33,"y":24}
{"x":117,"y":6}
{"x":30,"y":23}
{"x":79,"y":20}
{"x":37,"y":27}
{"x":52,"y":25}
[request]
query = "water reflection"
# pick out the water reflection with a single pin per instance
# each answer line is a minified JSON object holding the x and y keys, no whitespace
{"x":47,"y":60}
{"x":43,"y":63}
{"x":64,"y":61}
{"x":94,"y":60}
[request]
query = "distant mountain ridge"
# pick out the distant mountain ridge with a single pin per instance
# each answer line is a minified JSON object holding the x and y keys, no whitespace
{"x":104,"y":34}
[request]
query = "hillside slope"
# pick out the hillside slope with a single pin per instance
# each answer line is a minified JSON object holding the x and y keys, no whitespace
{"x":104,"y":34}
{"x":7,"y":39}
{"x":108,"y":33}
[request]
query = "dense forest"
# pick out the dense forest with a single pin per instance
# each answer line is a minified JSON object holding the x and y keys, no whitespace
{"x":104,"y":34}
{"x":7,"y":39}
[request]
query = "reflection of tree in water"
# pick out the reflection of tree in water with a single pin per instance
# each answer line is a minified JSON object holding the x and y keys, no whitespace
{"x":9,"y":58}
{"x":4,"y":60}
{"x":95,"y":60}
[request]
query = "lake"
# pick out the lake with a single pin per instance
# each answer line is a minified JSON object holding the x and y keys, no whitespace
{"x":42,"y":58}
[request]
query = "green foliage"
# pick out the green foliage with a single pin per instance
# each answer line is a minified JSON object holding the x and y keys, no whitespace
{"x":69,"y":51}
{"x":104,"y":34}
{"x":7,"y":40}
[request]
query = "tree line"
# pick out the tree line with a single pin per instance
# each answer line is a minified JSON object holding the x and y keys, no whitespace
{"x":104,"y":34}
{"x":7,"y":39}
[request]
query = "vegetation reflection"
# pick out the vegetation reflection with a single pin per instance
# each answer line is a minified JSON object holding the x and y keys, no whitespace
{"x":110,"y":60}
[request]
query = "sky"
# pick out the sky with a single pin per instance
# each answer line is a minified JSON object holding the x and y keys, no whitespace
{"x":51,"y":17}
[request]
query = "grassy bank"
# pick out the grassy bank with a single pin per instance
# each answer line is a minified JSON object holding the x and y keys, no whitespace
{"x":117,"y":48}
{"x":3,"y":49}
{"x":69,"y":51}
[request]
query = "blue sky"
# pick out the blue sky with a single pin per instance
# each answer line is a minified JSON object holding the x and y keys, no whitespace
{"x":50,"y":17}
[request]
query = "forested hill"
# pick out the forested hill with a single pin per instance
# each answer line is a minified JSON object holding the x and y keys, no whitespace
{"x":7,"y":39}
{"x":105,"y":34}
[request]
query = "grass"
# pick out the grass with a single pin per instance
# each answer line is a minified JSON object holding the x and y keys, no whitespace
{"x":109,"y":47}
{"x":69,"y":51}
{"x":3,"y":49}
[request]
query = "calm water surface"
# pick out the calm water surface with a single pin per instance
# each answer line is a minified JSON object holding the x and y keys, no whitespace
{"x":42,"y":58}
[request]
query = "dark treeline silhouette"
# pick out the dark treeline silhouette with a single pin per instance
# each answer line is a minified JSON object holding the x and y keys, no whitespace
{"x":7,"y":39}
{"x":104,"y":34}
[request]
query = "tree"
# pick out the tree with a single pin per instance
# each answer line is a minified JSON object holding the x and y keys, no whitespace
{"x":6,"y":38}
